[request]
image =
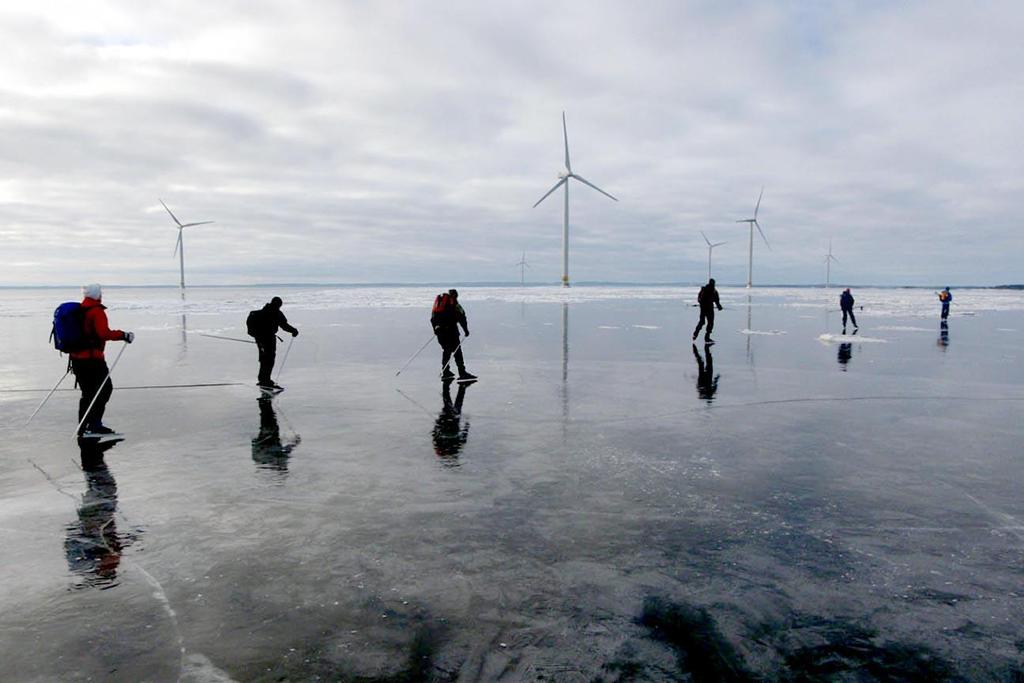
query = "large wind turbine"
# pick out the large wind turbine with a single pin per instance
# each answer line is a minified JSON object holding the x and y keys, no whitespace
{"x":179,"y":247}
{"x":753,"y":222}
{"x":563,"y":179}
{"x":829,"y":258}
{"x":710,"y":247}
{"x":523,"y":265}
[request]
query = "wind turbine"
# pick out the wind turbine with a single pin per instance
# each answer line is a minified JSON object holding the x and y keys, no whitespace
{"x":179,"y":247}
{"x":753,"y":222}
{"x":563,"y":179}
{"x":829,"y":258}
{"x":710,"y":247}
{"x":523,"y":265}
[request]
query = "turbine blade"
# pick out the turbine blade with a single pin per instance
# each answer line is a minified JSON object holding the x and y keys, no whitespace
{"x":169,"y":211}
{"x":557,"y":185}
{"x":718,"y":244}
{"x":177,"y":245}
{"x":189,"y":225}
{"x":565,"y":136}
{"x":705,"y":237}
{"x":758,"y":205}
{"x":762,"y":235}
{"x":587,"y":182}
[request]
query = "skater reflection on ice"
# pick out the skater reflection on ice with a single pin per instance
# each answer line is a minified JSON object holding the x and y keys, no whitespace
{"x":268,"y":451}
{"x":845,"y":352}
{"x":93,"y":546}
{"x":844,"y":355}
{"x":707,"y":380}
{"x":449,"y":433}
{"x":943,"y":341}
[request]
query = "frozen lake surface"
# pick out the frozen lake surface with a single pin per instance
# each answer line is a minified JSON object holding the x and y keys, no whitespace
{"x":607,"y":503}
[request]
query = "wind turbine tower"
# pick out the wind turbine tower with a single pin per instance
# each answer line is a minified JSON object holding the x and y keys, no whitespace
{"x":179,"y":247}
{"x":563,"y":179}
{"x":710,"y":248}
{"x":753,"y":222}
{"x":523,"y":265}
{"x":829,"y":258}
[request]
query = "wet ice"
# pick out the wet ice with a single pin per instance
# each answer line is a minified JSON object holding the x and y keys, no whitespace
{"x":604,"y":503}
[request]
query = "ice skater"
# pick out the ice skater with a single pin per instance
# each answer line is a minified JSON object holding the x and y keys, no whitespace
{"x":707,"y":299}
{"x":262,"y":325}
{"x":846,"y":304}
{"x":90,"y":365}
{"x":446,"y":317}
{"x":946,"y":298}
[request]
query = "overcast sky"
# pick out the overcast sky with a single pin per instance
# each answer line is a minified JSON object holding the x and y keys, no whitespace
{"x":407,"y":142}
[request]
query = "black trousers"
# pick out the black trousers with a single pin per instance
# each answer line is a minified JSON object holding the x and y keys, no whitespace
{"x":268,"y":355}
{"x":450,"y":344}
{"x":849,"y":312}
{"x":90,"y":373}
{"x":705,"y":316}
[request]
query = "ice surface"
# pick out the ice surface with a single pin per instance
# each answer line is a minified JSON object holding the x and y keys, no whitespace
{"x":608,"y":501}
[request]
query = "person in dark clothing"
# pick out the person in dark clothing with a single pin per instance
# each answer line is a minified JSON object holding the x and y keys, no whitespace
{"x":707,"y":380}
{"x":263,"y":325}
{"x":707,"y":300}
{"x":946,"y":297}
{"x":449,"y":433}
{"x":446,"y":319}
{"x":90,"y":365}
{"x":846,"y":304}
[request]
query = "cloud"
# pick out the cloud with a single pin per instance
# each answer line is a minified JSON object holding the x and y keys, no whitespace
{"x":408,"y":142}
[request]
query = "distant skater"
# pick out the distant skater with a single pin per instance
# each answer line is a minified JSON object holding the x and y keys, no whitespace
{"x":90,"y":365}
{"x":707,"y":300}
{"x":846,"y":304}
{"x":946,"y":298}
{"x":446,"y":317}
{"x":262,"y":325}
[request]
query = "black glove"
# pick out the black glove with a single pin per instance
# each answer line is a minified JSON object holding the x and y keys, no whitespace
{"x":129,"y":337}
{"x":295,"y":333}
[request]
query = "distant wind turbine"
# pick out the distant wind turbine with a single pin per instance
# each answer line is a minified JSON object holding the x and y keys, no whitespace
{"x":710,"y":247}
{"x":179,"y":247}
{"x":563,"y":179}
{"x":753,"y":222}
{"x":523,"y":265}
{"x":829,"y":258}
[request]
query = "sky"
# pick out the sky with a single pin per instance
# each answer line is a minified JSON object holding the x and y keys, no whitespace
{"x":408,"y":141}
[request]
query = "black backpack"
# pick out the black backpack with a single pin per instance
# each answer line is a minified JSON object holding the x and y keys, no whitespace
{"x":255,"y":323}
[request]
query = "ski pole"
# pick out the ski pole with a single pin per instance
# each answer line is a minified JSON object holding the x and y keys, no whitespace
{"x":97,"y":394}
{"x":217,"y":336}
{"x":43,"y":402}
{"x":285,"y":359}
{"x":450,"y":357}
{"x":413,"y":357}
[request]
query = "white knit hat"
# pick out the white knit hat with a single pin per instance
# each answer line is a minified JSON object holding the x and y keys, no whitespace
{"x":92,"y":291}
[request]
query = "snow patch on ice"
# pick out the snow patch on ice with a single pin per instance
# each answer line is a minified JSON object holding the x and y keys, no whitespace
{"x":608,"y":327}
{"x":1005,"y":329}
{"x":199,"y":669}
{"x":849,"y":339}
{"x":646,"y":327}
{"x":770,"y":333}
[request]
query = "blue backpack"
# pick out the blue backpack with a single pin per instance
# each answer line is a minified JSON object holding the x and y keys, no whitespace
{"x":68,"y":332}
